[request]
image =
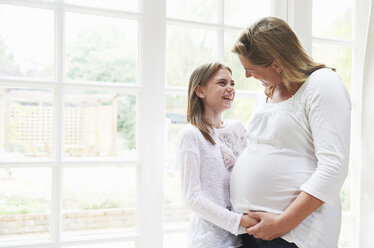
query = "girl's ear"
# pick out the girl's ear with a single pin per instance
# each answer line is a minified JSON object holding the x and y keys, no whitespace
{"x":277,"y":66}
{"x":200,"y":91}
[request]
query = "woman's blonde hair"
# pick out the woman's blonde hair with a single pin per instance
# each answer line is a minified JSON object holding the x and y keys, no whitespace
{"x":271,"y":38}
{"x":195,"y":109}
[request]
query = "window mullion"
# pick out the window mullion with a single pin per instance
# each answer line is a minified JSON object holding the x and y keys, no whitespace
{"x":221,"y":31}
{"x":57,"y":181}
{"x":300,"y":18}
{"x":151,"y":128}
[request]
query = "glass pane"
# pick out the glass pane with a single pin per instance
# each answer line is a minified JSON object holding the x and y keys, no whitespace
{"x":99,"y":200}
{"x":176,"y":214}
{"x":99,"y":124}
{"x":25,"y":203}
{"x":26,"y":42}
{"x":199,"y":46}
{"x":172,"y":240}
{"x":345,"y":193}
{"x":194,"y":10}
{"x":345,"y":238}
{"x":128,"y":244}
{"x":243,"y":13}
{"x":176,"y":109}
{"x":126,"y":5}
{"x":333,"y":19}
{"x":26,"y":123}
{"x":241,"y":110}
{"x":238,"y":73}
{"x":101,"y":49}
{"x":337,"y":57}
{"x":346,"y":233}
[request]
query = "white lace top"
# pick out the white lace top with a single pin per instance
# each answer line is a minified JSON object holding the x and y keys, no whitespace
{"x":205,"y":175}
{"x":299,"y":144}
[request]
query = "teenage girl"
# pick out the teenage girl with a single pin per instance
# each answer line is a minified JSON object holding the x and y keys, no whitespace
{"x":207,"y":150}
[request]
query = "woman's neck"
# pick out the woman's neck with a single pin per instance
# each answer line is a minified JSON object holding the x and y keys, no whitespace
{"x":282,"y":93}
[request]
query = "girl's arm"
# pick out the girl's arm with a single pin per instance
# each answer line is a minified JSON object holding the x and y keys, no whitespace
{"x":199,"y":203}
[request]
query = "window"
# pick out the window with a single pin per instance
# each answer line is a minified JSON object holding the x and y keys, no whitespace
{"x":69,"y":94}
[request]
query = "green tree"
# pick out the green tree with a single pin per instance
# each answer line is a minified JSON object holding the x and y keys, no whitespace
{"x":102,"y":54}
{"x":7,"y":65}
{"x":126,"y":120}
{"x":106,"y":54}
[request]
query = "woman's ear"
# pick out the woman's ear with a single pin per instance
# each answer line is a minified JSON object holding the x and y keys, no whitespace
{"x":277,"y":66}
{"x":200,"y":91}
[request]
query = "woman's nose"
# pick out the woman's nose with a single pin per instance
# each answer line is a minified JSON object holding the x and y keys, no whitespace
{"x":248,"y":74}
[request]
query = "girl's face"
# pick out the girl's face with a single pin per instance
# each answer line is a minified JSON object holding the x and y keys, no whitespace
{"x":219,"y":93}
{"x":269,"y":76}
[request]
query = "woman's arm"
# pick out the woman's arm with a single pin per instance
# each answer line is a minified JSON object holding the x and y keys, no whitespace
{"x":272,"y":226}
{"x":328,"y":110}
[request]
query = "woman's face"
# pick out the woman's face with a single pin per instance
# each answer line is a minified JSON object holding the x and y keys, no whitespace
{"x":269,"y":76}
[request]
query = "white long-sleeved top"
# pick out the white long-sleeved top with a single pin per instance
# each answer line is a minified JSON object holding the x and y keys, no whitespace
{"x":301,"y":144}
{"x":205,"y":176}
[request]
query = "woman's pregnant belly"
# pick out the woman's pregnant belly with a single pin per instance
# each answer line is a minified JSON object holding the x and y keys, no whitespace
{"x":268,"y":180}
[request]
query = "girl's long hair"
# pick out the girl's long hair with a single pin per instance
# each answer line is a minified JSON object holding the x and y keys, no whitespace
{"x":195,"y":109}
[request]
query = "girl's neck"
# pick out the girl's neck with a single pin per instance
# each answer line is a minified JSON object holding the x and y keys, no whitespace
{"x":215,"y":119}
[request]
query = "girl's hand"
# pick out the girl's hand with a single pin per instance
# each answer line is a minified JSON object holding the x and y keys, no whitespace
{"x":269,"y":227}
{"x":247,"y":221}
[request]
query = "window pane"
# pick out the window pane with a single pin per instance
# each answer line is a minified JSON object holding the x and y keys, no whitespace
{"x":243,"y":13}
{"x":238,"y":73}
{"x":195,"y":10}
{"x":25,"y":201}
{"x":101,"y":49}
{"x":198,"y":46}
{"x":176,"y":109}
{"x":26,"y":123}
{"x":346,"y":233}
{"x":335,"y":56}
{"x":345,"y":237}
{"x":128,"y":244}
{"x":26,"y":42}
{"x":176,"y":214}
{"x":126,"y":5}
{"x":100,"y":124}
{"x":333,"y":19}
{"x":172,"y":240}
{"x":99,"y":200}
{"x":241,"y":110}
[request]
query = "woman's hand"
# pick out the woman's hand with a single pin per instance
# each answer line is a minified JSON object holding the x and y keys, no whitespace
{"x":273,"y":226}
{"x":247,"y":221}
{"x":270,"y":226}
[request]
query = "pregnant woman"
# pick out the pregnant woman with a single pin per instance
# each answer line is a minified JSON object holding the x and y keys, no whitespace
{"x":290,"y":175}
